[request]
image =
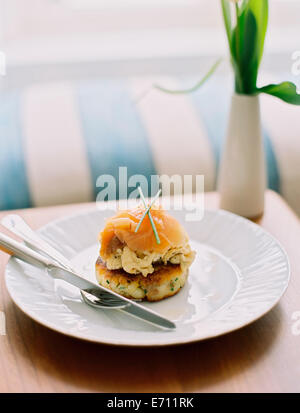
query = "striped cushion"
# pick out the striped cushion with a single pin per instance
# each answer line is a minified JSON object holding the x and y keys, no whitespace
{"x":57,"y":138}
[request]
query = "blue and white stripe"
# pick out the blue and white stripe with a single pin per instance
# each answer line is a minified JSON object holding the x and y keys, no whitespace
{"x":14,"y":185}
{"x":177,"y":136}
{"x":113,"y":130}
{"x":56,"y":139}
{"x":54,"y":149}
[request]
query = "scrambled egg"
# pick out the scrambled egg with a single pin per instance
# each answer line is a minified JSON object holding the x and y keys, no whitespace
{"x":142,"y":262}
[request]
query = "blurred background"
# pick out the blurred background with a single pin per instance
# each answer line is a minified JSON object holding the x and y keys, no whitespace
{"x":55,"y":39}
{"x":77,"y":98}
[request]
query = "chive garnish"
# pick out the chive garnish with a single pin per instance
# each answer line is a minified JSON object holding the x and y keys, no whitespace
{"x":107,"y":281}
{"x":147,"y":209}
{"x":147,"y":212}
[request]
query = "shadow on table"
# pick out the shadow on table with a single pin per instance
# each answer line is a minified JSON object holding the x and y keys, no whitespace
{"x":67,"y":364}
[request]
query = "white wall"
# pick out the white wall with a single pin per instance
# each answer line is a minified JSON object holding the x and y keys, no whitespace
{"x":52,"y":31}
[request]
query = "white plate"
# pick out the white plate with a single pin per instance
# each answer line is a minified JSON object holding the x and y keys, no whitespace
{"x":239,"y":274}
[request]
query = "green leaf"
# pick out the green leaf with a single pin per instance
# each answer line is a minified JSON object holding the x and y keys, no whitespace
{"x":197,"y":85}
{"x":259,"y":8}
{"x":254,"y":31}
{"x":248,"y":61}
{"x":247,"y":43}
{"x":286,"y":91}
{"x":244,"y":39}
{"x":242,"y":6}
{"x":227,"y":21}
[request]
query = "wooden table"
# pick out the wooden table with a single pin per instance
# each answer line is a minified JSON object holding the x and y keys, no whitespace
{"x":263,"y":357}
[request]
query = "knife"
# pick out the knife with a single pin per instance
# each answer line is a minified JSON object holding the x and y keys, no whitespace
{"x":24,"y":253}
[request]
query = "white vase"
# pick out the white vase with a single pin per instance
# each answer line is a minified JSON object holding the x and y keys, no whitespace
{"x":242,"y":176}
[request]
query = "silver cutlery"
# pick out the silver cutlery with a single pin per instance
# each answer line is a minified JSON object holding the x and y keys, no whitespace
{"x":18,"y":226}
{"x":39,"y":253}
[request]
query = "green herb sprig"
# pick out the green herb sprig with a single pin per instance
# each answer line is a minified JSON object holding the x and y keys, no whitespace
{"x":147,"y":212}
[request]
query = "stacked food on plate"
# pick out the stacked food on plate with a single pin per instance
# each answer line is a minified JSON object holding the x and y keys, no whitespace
{"x":145,"y":254}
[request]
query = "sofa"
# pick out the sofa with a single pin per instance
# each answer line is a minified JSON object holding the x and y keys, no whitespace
{"x":57,"y":137}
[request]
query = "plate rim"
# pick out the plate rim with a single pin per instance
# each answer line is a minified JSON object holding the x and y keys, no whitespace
{"x":177,"y":341}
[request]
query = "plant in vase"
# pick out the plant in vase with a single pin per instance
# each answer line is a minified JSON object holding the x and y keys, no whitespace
{"x":242,"y":176}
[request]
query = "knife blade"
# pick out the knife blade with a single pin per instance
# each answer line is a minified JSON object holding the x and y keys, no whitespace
{"x":132,"y":308}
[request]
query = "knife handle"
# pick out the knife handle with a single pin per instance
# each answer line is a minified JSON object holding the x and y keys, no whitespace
{"x":19,"y":250}
{"x":18,"y":226}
